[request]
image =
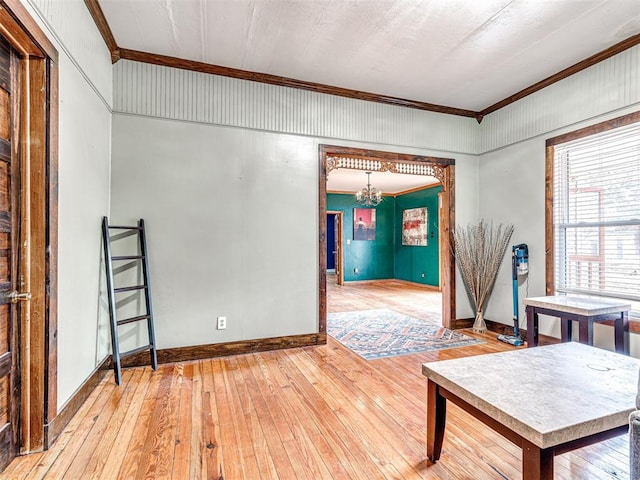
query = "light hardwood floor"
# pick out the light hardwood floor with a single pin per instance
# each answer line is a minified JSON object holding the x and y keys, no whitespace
{"x":307,"y":413}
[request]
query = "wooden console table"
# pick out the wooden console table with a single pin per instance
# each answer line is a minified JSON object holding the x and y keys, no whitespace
{"x":547,"y":400}
{"x":585,"y":311}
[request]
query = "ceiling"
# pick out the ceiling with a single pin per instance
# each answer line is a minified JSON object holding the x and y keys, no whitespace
{"x":465,"y":54}
{"x":345,"y":180}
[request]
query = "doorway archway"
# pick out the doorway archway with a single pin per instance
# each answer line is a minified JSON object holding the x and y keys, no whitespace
{"x":332,"y":157}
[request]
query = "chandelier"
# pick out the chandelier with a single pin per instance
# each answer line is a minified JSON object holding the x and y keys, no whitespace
{"x":369,"y":196}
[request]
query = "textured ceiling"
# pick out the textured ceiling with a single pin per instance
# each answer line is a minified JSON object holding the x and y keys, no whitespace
{"x":467,"y":54}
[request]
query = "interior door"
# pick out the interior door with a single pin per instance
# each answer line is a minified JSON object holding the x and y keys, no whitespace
{"x":9,"y":183}
{"x":338,"y":247}
{"x":331,"y":242}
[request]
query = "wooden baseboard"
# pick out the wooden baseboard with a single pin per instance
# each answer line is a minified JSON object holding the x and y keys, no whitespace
{"x":364,"y":282}
{"x":500,"y":329}
{"x":415,"y":284}
{"x":459,"y":323}
{"x":393,"y":280}
{"x":54,"y":428}
{"x":198,"y":352}
{"x":503,"y":329}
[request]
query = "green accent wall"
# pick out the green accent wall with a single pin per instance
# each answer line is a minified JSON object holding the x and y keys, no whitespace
{"x":418,"y":264}
{"x":386,"y":257}
{"x":373,"y":258}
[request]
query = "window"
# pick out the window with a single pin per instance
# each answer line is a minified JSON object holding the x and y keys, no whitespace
{"x":594,"y":204}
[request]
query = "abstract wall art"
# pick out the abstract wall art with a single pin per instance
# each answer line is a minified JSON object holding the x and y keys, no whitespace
{"x":414,"y":227}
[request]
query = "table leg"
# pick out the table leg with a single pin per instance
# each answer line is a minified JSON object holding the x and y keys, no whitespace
{"x":532,"y":326}
{"x":436,"y":419}
{"x":566,"y":329}
{"x":585,"y":324}
{"x":621,"y":333}
{"x":537,"y":463}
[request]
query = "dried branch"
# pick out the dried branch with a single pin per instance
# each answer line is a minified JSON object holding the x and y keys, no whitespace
{"x":479,"y":250}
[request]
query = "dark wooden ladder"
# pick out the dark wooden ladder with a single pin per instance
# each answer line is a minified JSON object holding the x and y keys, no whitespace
{"x":112,"y":291}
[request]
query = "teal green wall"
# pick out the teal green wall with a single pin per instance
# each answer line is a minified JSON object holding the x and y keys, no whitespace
{"x":372,"y":258}
{"x":411,"y":263}
{"x":386,"y":257}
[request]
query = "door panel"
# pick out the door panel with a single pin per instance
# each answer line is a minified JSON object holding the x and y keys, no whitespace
{"x":9,"y":385}
{"x":338,"y":248}
{"x":4,"y":332}
{"x":331,"y":232}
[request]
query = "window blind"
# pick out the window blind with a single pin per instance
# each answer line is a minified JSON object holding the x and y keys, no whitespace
{"x":596,"y":214}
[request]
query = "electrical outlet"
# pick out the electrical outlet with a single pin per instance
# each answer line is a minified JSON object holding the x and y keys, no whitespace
{"x":222,"y":323}
{"x":355,"y":270}
{"x":422,"y":275}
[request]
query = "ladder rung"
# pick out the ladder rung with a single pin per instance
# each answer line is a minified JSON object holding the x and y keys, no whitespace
{"x":132,"y":319}
{"x":129,"y":289}
{"x":127,"y":257}
{"x":136,"y":350}
{"x":123,"y":227}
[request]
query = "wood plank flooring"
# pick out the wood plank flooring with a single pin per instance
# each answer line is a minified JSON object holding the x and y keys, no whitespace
{"x":307,"y":413}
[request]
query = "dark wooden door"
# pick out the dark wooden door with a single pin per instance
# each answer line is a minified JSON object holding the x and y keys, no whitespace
{"x":9,"y":182}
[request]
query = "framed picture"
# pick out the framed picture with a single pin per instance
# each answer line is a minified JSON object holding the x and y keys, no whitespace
{"x":364,"y":223}
{"x":414,"y":227}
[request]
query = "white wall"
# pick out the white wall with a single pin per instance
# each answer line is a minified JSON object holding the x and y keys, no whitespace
{"x":84,"y":150}
{"x":512,"y":192}
{"x":85,"y":94}
{"x":606,"y":87}
{"x":506,"y":185}
{"x":512,"y":181}
{"x":512,"y":169}
{"x":467,"y":210}
{"x":226,"y":148}
{"x":164,"y":92}
{"x":232,"y":219}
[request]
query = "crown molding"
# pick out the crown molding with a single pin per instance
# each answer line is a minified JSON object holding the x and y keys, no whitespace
{"x":103,"y":27}
{"x":561,"y":75}
{"x":417,"y":189}
{"x":209,"y":68}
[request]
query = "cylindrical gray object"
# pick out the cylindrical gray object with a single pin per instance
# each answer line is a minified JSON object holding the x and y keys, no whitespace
{"x":634,"y":445}
{"x":638,"y":394}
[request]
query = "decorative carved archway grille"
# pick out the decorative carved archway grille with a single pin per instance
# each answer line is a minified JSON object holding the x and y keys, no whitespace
{"x":373,"y":165}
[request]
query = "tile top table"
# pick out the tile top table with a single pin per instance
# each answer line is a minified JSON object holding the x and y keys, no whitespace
{"x":564,"y":396}
{"x":585,"y":311}
{"x":581,"y":306}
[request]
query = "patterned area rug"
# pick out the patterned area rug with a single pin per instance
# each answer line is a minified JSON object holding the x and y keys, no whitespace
{"x":384,"y":333}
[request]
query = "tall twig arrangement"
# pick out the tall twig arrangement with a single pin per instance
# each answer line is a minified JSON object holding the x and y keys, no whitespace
{"x":479,"y":252}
